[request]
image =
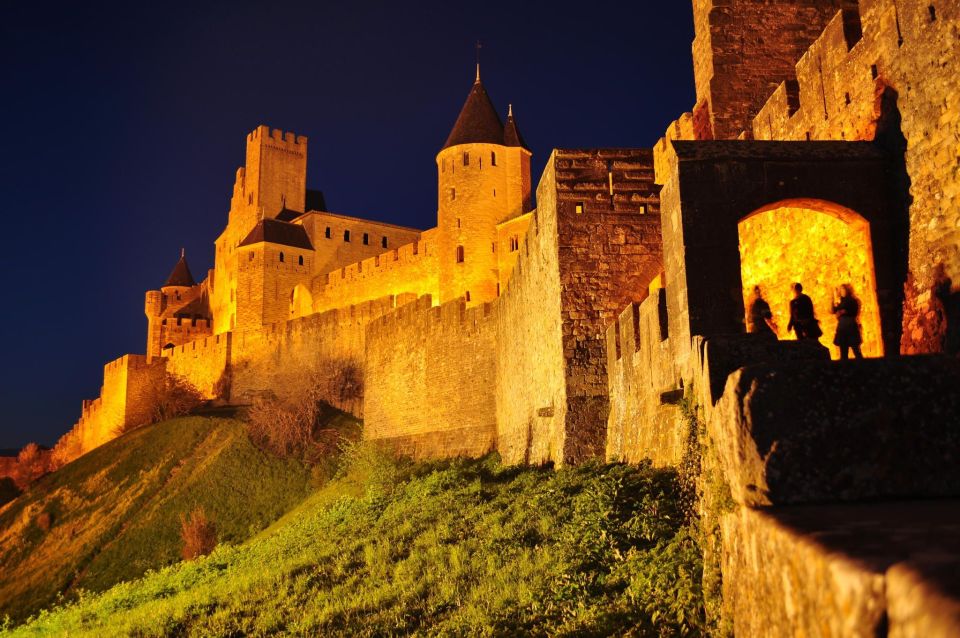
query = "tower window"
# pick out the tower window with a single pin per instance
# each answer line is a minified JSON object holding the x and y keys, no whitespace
{"x":300,"y":260}
{"x":458,"y":222}
{"x":579,"y":208}
{"x":493,"y":158}
{"x":383,"y":242}
{"x":327,"y":233}
{"x":493,"y":246}
{"x":466,"y":159}
{"x":459,"y":254}
{"x":346,"y":235}
{"x":366,"y":239}
{"x":514,"y":243}
{"x":281,"y":256}
{"x":453,"y":193}
{"x":468,"y":295}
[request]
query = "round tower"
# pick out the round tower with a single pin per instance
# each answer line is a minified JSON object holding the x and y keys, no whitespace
{"x":483,"y":177}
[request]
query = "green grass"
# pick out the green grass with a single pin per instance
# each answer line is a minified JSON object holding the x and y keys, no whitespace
{"x":465,"y":548}
{"x":115,"y":510}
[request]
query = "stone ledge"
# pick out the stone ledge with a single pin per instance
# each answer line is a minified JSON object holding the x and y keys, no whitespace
{"x":811,"y":431}
{"x":844,"y":570}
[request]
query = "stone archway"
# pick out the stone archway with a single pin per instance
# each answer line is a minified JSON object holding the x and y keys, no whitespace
{"x":820,"y":244}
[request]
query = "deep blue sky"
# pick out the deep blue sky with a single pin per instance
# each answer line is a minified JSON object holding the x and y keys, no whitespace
{"x":123,"y":127}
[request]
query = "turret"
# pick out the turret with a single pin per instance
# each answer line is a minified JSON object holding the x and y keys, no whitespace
{"x":483,"y":179}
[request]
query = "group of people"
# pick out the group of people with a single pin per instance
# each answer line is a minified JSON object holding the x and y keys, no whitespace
{"x":804,"y":322}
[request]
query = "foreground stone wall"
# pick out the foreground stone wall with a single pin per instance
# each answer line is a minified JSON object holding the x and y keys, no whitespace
{"x":430,"y":380}
{"x":901,"y":72}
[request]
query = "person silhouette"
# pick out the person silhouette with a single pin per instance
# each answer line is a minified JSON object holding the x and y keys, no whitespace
{"x":950,"y":300}
{"x":848,"y":337}
{"x":803,"y":321}
{"x":761,"y":318}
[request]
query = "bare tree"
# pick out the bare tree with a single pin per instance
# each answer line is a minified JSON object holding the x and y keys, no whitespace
{"x":199,"y":534}
{"x":176,"y":397}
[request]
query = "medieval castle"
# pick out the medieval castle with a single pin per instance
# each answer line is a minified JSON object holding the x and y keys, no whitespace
{"x":824,"y":147}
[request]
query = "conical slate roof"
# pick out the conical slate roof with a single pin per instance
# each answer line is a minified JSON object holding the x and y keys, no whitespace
{"x":511,"y":134}
{"x":181,"y":274}
{"x":478,"y":122}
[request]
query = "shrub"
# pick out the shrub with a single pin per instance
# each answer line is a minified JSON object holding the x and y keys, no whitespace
{"x":44,"y":521}
{"x":176,"y":397}
{"x":8,"y":490}
{"x":32,"y":463}
{"x":199,"y":534}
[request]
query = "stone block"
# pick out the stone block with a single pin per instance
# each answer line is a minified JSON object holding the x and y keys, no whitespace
{"x":817,"y":431}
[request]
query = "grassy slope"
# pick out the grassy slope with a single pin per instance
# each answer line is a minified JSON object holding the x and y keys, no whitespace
{"x":115,"y":510}
{"x":463,"y":548}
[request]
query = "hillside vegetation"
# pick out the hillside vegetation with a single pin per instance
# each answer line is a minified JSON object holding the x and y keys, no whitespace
{"x":464,"y":548}
{"x":113,"y":514}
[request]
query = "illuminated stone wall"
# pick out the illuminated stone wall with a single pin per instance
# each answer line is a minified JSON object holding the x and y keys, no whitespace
{"x":204,"y":364}
{"x":268,"y":273}
{"x":910,"y":47}
{"x":277,"y":357}
{"x":430,"y":380}
{"x":408,"y":270}
{"x":820,"y":250}
{"x":126,"y":399}
{"x":593,"y":246}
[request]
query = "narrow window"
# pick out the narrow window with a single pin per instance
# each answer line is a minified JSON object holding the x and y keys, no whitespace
{"x":459,"y":254}
{"x":643,"y":209}
{"x":250,"y":257}
{"x":366,"y":239}
{"x":498,"y":288}
{"x":480,"y":162}
{"x":300,"y":260}
{"x":793,"y":96}
{"x":466,"y":159}
{"x":383,"y":242}
{"x":579,"y":208}
{"x":179,"y":321}
{"x":327,"y":233}
{"x":933,"y":13}
{"x":493,"y":158}
{"x":458,"y":222}
{"x":873,"y":71}
{"x":281,"y":256}
{"x":847,"y":98}
{"x":852,"y":27}
{"x":443,"y":165}
{"x":453,"y":193}
{"x":493,"y":246}
{"x":250,"y":198}
{"x":346,"y":235}
{"x":468,"y":295}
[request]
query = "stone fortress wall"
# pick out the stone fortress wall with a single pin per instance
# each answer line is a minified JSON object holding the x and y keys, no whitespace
{"x":609,"y":321}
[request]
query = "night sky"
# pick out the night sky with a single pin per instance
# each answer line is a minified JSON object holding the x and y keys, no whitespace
{"x":124,"y":126}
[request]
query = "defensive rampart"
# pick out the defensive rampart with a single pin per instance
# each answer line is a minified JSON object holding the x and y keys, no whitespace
{"x":204,"y":363}
{"x":410,"y":269}
{"x":429,"y":379}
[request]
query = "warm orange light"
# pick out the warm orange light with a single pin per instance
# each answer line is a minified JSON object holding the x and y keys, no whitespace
{"x":821,"y":246}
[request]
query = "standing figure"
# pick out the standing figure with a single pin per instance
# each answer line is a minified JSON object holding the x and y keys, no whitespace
{"x":803,"y":321}
{"x":761,"y":318}
{"x":848,"y":336}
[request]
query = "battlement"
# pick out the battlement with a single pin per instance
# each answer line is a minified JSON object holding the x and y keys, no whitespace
{"x":277,"y":137}
{"x":406,"y":255}
{"x":617,"y":179}
{"x":196,"y":347}
{"x":423,"y":315}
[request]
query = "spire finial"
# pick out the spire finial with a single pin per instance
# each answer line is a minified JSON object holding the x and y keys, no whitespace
{"x":479,"y":46}
{"x":183,"y":253}
{"x":509,"y":110}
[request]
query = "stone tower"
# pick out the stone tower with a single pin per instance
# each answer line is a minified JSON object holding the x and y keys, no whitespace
{"x":483,"y":178}
{"x":273,"y":178}
{"x":177,"y":294}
